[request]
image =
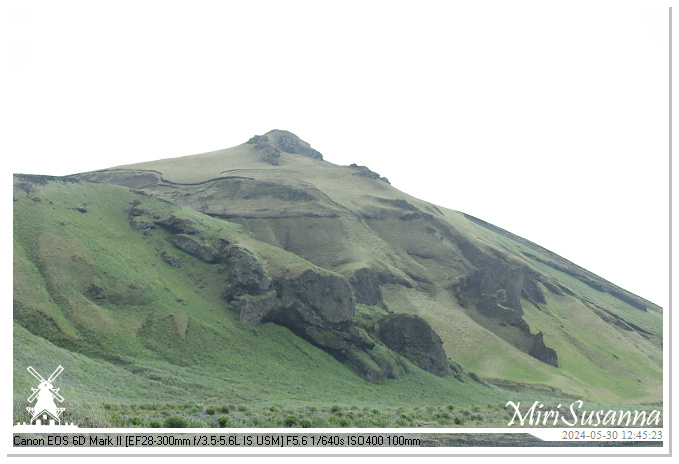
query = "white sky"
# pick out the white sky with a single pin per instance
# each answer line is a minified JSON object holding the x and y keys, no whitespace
{"x":549,"y":121}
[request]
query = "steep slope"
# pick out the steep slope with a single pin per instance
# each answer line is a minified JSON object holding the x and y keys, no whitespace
{"x":143,"y":300}
{"x":513,"y":312}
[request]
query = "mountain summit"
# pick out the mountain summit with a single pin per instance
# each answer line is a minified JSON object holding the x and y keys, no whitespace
{"x":391,"y":277}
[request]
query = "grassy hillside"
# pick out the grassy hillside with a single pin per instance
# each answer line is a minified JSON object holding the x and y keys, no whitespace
{"x":106,"y":302}
{"x":486,"y":292}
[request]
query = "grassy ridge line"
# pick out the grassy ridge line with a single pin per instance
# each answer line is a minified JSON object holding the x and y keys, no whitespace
{"x":559,"y":261}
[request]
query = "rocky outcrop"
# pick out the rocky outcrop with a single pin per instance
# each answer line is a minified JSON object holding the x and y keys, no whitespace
{"x":270,"y":154}
{"x":290,"y":143}
{"x":542,"y":353}
{"x":366,"y":285}
{"x":328,"y":296}
{"x":285,"y":141}
{"x":320,"y":308}
{"x":412,"y":337}
{"x":202,"y":251}
{"x":257,"y":139}
{"x":246,"y":277}
{"x":177,"y":225}
{"x":255,"y":310}
{"x":169,"y":259}
{"x":495,"y":289}
{"x":365,"y":172}
{"x":316,"y":305}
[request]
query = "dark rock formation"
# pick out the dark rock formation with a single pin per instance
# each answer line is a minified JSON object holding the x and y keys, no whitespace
{"x":258,"y":139}
{"x":135,"y":211}
{"x":400,"y":203}
{"x":412,"y":337}
{"x":290,"y":143}
{"x":320,"y":309}
{"x":246,"y":277}
{"x":366,"y":285}
{"x":284,"y":141}
{"x":171,"y":260}
{"x":177,"y":225}
{"x":542,"y":353}
{"x":365,"y":172}
{"x":329,"y":296}
{"x":270,"y":154}
{"x":495,"y":289}
{"x":410,"y":216}
{"x":255,"y":310}
{"x":316,"y":305}
{"x":201,"y":251}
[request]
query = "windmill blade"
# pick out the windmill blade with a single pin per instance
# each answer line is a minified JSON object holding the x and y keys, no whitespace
{"x":55,"y":374}
{"x":35,"y":373}
{"x":57,"y":395}
{"x":34,"y":395}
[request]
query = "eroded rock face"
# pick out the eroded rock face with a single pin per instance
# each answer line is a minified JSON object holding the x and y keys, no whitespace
{"x":316,"y":305}
{"x":178,"y":225}
{"x":255,"y":310}
{"x":328,"y":295}
{"x":495,"y":289}
{"x":366,"y":285}
{"x":246,"y":276}
{"x":366,"y":172}
{"x":201,"y":251}
{"x":543,"y":353}
{"x":270,"y":154}
{"x":412,"y":337}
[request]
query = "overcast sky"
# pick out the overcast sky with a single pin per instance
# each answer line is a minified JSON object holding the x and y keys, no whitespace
{"x":548,"y":121}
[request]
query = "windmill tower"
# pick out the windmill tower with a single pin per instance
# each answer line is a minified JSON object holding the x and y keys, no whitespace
{"x":45,"y":408}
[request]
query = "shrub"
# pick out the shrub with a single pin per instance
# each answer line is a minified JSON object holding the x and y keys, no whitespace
{"x":210,"y":411}
{"x":458,"y":421}
{"x":223,"y":421}
{"x":318,"y":422}
{"x":155,"y":424}
{"x":305,"y":422}
{"x":443,"y":418}
{"x":335,"y":408}
{"x":135,"y":422}
{"x":175,"y":422}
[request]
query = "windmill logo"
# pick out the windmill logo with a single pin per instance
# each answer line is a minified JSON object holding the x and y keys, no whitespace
{"x":45,"y":410}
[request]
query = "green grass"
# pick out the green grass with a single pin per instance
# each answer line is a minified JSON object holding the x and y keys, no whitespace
{"x":339,"y":221}
{"x":154,"y":333}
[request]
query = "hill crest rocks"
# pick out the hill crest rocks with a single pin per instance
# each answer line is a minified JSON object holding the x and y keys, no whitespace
{"x":275,"y":141}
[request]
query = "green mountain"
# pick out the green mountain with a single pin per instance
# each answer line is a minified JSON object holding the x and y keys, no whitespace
{"x":264,"y":273}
